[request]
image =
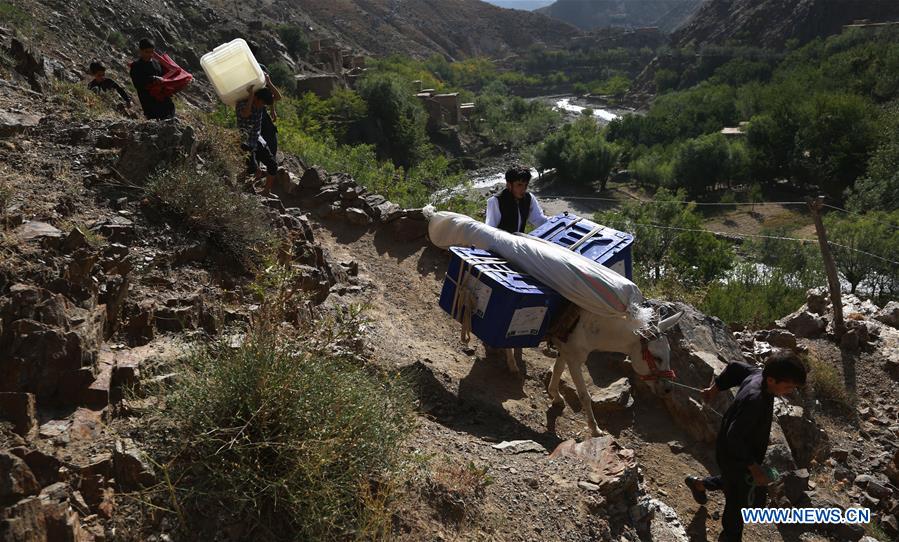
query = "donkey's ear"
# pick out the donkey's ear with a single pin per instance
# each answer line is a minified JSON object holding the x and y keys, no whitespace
{"x":669,"y":322}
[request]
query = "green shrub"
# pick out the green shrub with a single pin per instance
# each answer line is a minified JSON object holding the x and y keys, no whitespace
{"x":118,"y":39}
{"x":286,"y":434}
{"x":827,"y":385}
{"x":12,"y":14}
{"x":282,"y":76}
{"x":753,"y":298}
{"x":294,"y":39}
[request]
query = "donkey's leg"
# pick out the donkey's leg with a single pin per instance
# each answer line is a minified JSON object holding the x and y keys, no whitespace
{"x":553,"y":390}
{"x":577,"y":375}
{"x":510,"y":360}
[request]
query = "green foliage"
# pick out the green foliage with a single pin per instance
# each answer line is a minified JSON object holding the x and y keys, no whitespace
{"x":879,"y":188}
{"x":347,"y":110}
{"x":430,"y":72}
{"x":812,"y":112}
{"x":294,"y":39}
{"x":836,"y":135}
{"x":407,"y":188}
{"x":396,"y":117}
{"x":578,"y":152}
{"x":118,"y":39}
{"x":666,"y":80}
{"x":653,"y":170}
{"x":828,"y":386}
{"x":855,"y":238}
{"x":281,"y":75}
{"x":287,"y":433}
{"x":615,"y":86}
{"x":700,"y":110}
{"x":701,"y":164}
{"x":665,"y":245}
{"x":469,"y":73}
{"x":85,"y":103}
{"x":236,"y":222}
{"x":12,"y":14}
{"x":741,"y":71}
{"x":753,"y":297}
{"x":510,"y":120}
{"x":770,"y":138}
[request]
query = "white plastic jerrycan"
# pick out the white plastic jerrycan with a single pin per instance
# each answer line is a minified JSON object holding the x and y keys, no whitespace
{"x":232,"y":68}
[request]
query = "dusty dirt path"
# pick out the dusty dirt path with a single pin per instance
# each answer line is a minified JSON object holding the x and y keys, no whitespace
{"x":469,"y":403}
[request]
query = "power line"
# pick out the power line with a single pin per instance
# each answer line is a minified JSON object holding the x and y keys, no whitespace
{"x":863,"y":252}
{"x":680,"y":202}
{"x":888,"y":224}
{"x":759,"y":236}
{"x":739,"y":235}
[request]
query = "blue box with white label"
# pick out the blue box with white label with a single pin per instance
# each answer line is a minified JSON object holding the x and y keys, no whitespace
{"x":507,"y":309}
{"x":603,"y":245}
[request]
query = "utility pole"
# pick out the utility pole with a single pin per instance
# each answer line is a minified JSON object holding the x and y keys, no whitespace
{"x":833,"y":279}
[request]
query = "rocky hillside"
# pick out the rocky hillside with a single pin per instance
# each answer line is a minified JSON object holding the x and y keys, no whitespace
{"x":665,"y":14}
{"x":454,"y":28}
{"x":771,"y":23}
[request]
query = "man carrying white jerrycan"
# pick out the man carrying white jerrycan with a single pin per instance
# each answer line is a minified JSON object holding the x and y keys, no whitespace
{"x":249,"y":121}
{"x":511,"y":210}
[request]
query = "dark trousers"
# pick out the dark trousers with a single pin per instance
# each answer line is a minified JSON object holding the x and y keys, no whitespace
{"x":155,"y":109}
{"x":261,"y":154}
{"x":270,"y":134}
{"x":737,"y":494}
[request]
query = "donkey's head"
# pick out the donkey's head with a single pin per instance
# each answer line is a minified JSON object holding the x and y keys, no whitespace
{"x":654,"y":363}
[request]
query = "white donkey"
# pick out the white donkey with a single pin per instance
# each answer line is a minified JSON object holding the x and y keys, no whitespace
{"x":642,"y":341}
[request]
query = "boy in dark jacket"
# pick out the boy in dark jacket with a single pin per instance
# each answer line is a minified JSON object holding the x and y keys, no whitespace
{"x":513,"y":208}
{"x":144,"y":71}
{"x":744,"y":435}
{"x":101,"y":83}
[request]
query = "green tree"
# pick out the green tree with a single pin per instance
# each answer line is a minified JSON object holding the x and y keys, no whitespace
{"x":771,"y":148}
{"x":294,"y":39}
{"x":282,"y":76}
{"x":856,"y":239}
{"x":837,"y":134}
{"x":396,"y":119}
{"x":666,"y":80}
{"x":879,"y":188}
{"x":347,"y":110}
{"x":666,"y":243}
{"x":579,"y":153}
{"x":701,"y":164}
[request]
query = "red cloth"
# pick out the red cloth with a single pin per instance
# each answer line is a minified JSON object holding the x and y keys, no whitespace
{"x":174,"y":78}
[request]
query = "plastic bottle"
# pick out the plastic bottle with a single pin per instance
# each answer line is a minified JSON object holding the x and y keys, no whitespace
{"x":232,"y":69}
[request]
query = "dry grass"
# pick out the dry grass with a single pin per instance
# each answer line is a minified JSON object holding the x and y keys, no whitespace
{"x":827,"y":384}
{"x":456,"y":489}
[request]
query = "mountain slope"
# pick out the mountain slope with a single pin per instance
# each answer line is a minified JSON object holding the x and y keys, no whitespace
{"x":528,"y":5}
{"x":666,"y":14}
{"x":770,"y":23}
{"x":455,"y":28}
